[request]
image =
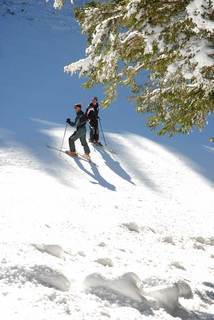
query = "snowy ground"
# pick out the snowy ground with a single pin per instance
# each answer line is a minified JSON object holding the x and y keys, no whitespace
{"x":84,"y":242}
{"x":155,"y":221}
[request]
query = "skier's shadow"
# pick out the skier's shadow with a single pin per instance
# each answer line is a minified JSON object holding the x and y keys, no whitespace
{"x":114,"y":165}
{"x":95,"y":175}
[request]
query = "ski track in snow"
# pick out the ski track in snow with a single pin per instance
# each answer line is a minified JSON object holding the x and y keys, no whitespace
{"x":109,"y":242}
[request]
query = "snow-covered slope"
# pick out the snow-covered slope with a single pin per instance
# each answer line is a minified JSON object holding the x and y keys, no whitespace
{"x":85,"y":242}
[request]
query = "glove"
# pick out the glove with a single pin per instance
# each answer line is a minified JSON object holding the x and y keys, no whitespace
{"x":68,"y":121}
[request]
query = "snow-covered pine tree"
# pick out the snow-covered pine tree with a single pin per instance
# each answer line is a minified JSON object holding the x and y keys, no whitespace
{"x":173,"y":39}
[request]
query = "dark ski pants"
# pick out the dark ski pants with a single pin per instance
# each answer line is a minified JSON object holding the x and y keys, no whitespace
{"x":94,"y":131}
{"x":79,"y":134}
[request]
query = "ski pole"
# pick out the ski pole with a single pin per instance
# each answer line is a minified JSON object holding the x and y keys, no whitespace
{"x":64,"y":136}
{"x":104,"y":139}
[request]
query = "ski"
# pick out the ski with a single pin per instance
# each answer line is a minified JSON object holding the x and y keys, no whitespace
{"x":55,"y":148}
{"x":79,"y":155}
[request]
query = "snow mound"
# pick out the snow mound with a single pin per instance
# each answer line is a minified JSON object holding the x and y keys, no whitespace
{"x":132,"y":226}
{"x":177,"y":265}
{"x":128,"y":290}
{"x":106,"y":262}
{"x":51,"y":278}
{"x":128,"y":285}
{"x":53,"y":249}
{"x":168,"y":296}
{"x":36,"y":274}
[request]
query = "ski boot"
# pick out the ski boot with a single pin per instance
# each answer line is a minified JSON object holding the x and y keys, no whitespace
{"x":87,"y":156}
{"x":97,"y":143}
{"x":72,"y":154}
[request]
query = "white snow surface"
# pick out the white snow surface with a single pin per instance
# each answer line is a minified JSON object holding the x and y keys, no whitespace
{"x":83,"y":210}
{"x":116,"y":241}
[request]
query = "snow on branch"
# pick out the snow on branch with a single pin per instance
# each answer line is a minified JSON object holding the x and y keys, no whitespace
{"x":81,"y":66}
{"x":197,"y":10}
{"x":58,"y":4}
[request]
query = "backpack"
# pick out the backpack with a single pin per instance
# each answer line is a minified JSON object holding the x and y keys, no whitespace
{"x":90,"y":108}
